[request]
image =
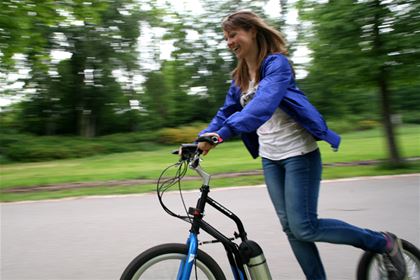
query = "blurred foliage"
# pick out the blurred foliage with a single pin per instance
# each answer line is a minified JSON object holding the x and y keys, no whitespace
{"x":365,"y":55}
{"x":111,"y":76}
{"x":26,"y":147}
{"x":95,"y":68}
{"x":30,"y":148}
{"x":80,"y":94}
{"x":182,"y":134}
{"x":349,"y":57}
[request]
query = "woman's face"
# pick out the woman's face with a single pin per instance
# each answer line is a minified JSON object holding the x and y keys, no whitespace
{"x":241,"y":42}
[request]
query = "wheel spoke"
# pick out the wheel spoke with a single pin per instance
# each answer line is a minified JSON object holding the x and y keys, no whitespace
{"x":371,"y":266}
{"x":164,"y":261}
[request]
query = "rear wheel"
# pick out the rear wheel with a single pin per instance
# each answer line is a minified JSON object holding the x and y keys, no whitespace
{"x":371,"y":265}
{"x":163,"y":262}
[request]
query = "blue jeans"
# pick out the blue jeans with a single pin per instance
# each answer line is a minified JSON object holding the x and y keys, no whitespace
{"x":293,"y":185}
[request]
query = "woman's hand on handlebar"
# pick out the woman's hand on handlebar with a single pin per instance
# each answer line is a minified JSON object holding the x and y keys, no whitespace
{"x":206,"y":146}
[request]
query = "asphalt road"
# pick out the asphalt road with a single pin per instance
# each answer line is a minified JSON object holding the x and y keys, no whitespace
{"x":95,"y":238}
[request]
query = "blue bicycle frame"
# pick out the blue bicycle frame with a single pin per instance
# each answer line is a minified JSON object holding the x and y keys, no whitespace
{"x":189,"y":151}
{"x":231,"y":248}
{"x":186,"y":265}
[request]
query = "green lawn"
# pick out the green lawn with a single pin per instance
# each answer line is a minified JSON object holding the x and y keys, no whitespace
{"x":228,"y":157}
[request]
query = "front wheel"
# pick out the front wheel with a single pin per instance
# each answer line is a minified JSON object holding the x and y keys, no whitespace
{"x":371,"y":265}
{"x":163,"y":262}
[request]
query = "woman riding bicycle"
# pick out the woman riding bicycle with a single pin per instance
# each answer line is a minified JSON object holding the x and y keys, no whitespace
{"x":277,"y":123}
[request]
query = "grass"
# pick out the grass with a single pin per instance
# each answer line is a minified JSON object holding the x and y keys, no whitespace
{"x":329,"y":173}
{"x":229,"y":157}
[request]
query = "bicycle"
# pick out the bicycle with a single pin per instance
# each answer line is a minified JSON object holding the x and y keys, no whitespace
{"x":247,"y":260}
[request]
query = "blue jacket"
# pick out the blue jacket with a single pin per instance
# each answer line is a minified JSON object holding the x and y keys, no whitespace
{"x":276,"y":89}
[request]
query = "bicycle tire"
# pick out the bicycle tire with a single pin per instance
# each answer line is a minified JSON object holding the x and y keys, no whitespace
{"x":162,"y":262}
{"x":370,"y":268}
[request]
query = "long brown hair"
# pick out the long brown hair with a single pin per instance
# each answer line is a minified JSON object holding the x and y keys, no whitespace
{"x":269,"y":41}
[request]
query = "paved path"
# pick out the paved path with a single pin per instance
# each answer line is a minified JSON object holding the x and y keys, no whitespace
{"x":95,"y":238}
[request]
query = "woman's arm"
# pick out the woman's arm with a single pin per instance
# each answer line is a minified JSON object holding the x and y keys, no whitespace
{"x":278,"y":75}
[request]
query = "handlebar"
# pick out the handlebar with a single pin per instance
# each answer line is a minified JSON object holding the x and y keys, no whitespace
{"x":189,"y":157}
{"x":213,"y":139}
{"x":188,"y":151}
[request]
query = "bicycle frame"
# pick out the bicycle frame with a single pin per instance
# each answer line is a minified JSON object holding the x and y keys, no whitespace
{"x":239,"y":269}
{"x":238,"y":262}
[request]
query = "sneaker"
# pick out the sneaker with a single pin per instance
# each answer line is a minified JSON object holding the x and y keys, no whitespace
{"x":393,"y":258}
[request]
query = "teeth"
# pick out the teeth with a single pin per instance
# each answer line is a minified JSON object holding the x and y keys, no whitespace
{"x":235,"y":49}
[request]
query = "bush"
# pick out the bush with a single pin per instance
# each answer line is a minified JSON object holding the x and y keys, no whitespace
{"x":132,"y":137}
{"x":183,"y":134}
{"x":6,"y":140}
{"x":50,"y":148}
{"x":411,"y":117}
{"x":352,"y":124}
{"x":30,"y":148}
{"x":367,"y":124}
{"x":341,"y":126}
{"x":27,"y":148}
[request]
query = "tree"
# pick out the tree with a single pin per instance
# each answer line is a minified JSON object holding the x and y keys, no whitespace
{"x":80,"y":95}
{"x":89,"y":92}
{"x":361,"y":47}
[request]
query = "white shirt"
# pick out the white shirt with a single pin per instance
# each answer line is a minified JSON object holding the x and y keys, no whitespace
{"x":280,"y":137}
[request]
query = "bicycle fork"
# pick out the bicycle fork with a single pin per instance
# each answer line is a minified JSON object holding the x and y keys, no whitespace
{"x":186,"y":265}
{"x":250,"y":251}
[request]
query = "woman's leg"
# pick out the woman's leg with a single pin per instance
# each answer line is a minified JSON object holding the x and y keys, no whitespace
{"x":301,"y":197}
{"x":305,"y":252}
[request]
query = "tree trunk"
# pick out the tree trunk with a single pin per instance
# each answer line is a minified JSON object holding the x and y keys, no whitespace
{"x":394,"y":156}
{"x":87,"y":124}
{"x":384,"y":92}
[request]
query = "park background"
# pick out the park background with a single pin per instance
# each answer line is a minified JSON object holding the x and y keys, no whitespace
{"x":95,"y":94}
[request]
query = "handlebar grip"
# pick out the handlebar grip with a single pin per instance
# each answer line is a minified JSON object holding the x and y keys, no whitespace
{"x":214,"y":139}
